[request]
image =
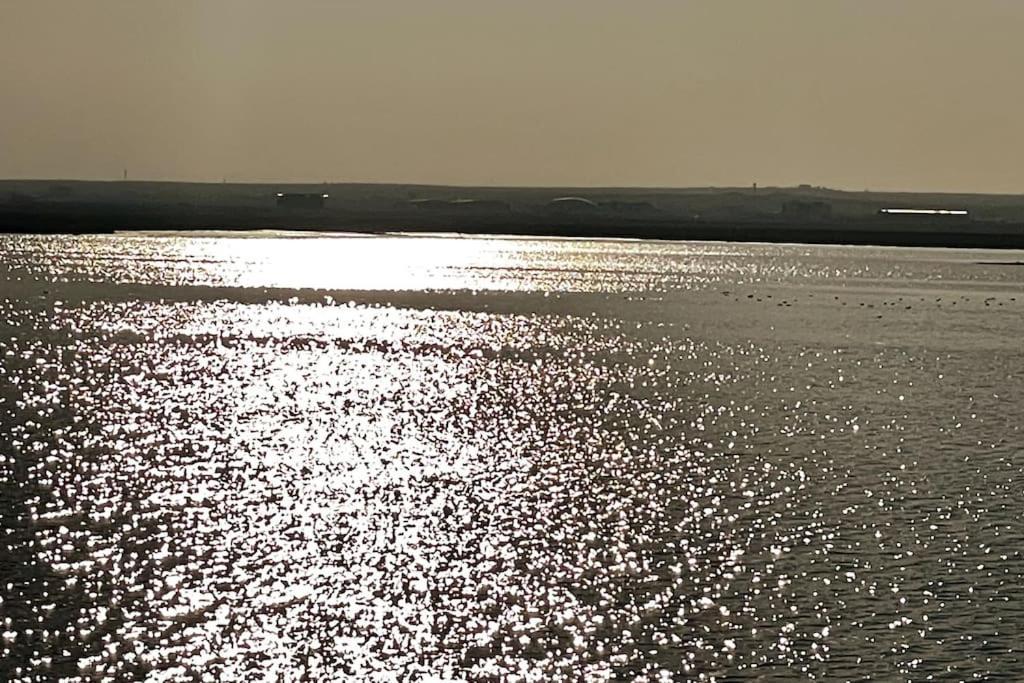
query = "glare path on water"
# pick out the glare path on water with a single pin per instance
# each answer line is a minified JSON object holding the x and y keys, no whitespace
{"x":329,"y":491}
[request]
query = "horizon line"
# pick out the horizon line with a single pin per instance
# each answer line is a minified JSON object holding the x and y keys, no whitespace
{"x":752,"y":188}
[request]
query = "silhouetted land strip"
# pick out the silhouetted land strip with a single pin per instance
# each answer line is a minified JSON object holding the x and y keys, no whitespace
{"x":807,"y":215}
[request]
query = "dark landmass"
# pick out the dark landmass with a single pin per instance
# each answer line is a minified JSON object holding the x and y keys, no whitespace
{"x":803,"y":214}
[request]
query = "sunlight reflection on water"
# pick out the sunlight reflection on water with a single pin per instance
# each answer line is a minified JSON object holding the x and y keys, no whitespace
{"x":382,"y":262}
{"x":311,"y":491}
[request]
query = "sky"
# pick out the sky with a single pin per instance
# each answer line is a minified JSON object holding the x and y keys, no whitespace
{"x":853,"y":94}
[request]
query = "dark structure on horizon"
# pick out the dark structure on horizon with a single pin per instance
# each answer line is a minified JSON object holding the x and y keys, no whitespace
{"x":302,"y":200}
{"x":932,"y":216}
{"x":573,"y":205}
{"x":806,"y":215}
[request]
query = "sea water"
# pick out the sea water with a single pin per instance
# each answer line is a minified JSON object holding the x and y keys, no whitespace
{"x":270,"y":457}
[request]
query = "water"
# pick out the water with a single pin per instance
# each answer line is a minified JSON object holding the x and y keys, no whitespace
{"x":407,"y":458}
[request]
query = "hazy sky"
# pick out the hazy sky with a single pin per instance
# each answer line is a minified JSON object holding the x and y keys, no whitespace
{"x":886,"y":94}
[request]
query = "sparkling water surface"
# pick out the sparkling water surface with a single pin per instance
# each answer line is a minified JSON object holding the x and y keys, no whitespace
{"x":270,"y":458}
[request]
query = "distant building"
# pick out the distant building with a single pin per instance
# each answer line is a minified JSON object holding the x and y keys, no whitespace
{"x":301,"y":200}
{"x":806,"y":211}
{"x":924,"y":212}
{"x":572,"y":204}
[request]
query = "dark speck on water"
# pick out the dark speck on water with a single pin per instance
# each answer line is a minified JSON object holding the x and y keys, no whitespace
{"x":252,"y":457}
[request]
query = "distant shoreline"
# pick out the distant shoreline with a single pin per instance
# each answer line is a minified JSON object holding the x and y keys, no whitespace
{"x":774,"y":215}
